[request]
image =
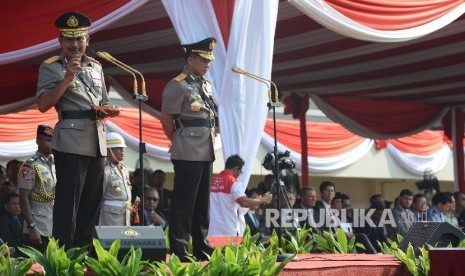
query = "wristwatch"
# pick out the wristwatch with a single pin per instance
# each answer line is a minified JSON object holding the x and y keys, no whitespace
{"x":31,"y":225}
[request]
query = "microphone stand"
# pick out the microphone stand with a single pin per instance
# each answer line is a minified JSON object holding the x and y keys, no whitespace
{"x":142,"y":149}
{"x":140,"y":97}
{"x":278,"y":185}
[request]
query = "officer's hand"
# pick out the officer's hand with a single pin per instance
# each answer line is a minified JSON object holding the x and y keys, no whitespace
{"x":73,"y":68}
{"x":156,"y":219}
{"x":34,"y":236}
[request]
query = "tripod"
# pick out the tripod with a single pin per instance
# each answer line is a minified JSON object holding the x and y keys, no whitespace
{"x":272,"y":104}
{"x":278,"y":185}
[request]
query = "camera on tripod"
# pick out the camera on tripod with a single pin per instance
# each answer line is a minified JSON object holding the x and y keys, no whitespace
{"x":284,"y":161}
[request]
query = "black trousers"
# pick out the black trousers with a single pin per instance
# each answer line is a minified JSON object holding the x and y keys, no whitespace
{"x":78,"y":194}
{"x":189,"y":214}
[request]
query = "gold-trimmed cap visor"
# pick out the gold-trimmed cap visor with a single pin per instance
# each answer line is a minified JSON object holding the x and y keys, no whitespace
{"x":203,"y":48}
{"x":73,"y":33}
{"x":205,"y":54}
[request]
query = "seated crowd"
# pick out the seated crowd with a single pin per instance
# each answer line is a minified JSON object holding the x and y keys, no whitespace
{"x":325,"y":208}
{"x":14,"y":229}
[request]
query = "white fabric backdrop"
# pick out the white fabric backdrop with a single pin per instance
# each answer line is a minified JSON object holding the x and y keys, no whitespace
{"x":241,"y":103}
{"x":324,"y":14}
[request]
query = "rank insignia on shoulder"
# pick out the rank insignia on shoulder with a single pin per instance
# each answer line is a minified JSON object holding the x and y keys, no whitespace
{"x":52,"y":59}
{"x":180,"y":77}
{"x":94,"y":60}
{"x":32,"y":159}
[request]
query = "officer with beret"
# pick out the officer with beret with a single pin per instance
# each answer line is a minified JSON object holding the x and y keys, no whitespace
{"x":36,"y":181}
{"x":74,"y":84}
{"x":116,"y":201}
{"x":188,"y":119}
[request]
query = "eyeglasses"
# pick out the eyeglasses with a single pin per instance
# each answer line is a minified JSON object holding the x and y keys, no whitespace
{"x":240,"y":170}
{"x":154,"y":199}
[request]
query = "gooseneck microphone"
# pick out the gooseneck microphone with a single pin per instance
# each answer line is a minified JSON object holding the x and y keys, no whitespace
{"x":260,"y":79}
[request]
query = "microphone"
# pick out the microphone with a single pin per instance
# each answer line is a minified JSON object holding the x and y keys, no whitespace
{"x":106,"y":56}
{"x":260,"y":79}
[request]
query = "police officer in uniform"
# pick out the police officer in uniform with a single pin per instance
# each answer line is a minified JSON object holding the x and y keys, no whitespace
{"x":188,"y":119}
{"x":116,"y":204}
{"x":73,"y":83}
{"x":36,"y":181}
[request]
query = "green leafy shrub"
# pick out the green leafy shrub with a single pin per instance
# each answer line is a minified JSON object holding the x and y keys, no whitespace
{"x":417,"y":265}
{"x":247,"y":258}
{"x":13,"y":266}
{"x":337,"y":243}
{"x":56,"y":260}
{"x":107,"y":261}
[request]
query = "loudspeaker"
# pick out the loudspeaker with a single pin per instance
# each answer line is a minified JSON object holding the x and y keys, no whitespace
{"x":436,"y":234}
{"x":150,"y":239}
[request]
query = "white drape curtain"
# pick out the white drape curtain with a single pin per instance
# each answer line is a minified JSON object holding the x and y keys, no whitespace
{"x":241,"y":102}
{"x":327,"y":16}
{"x":417,"y":164}
{"x":50,"y":45}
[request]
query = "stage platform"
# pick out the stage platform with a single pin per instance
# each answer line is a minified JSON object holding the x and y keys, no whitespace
{"x":334,"y":264}
{"x":345,"y":265}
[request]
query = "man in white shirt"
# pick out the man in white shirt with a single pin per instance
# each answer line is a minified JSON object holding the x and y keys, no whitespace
{"x":226,"y":195}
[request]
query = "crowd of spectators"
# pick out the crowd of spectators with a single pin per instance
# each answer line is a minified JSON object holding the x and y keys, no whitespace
{"x":321,"y":205}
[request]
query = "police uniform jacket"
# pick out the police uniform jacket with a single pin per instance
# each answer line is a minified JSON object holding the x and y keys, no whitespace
{"x":38,"y":175}
{"x":77,"y":136}
{"x":115,"y":210}
{"x":184,"y":97}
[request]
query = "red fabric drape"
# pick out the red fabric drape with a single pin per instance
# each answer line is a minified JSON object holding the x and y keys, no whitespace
{"x":24,"y":27}
{"x":459,"y":157}
{"x":393,"y":14}
{"x":298,"y":106}
{"x":324,"y":139}
{"x":224,"y":10}
{"x":385,"y":117}
{"x":424,"y":143}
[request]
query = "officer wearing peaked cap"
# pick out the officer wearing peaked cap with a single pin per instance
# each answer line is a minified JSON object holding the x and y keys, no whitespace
{"x":74,"y":85}
{"x":36,"y":181}
{"x":73,"y":24}
{"x":203,"y":48}
{"x":188,"y":119}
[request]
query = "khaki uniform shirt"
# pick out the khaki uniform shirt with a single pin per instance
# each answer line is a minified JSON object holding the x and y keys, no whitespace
{"x":115,"y":210}
{"x":78,"y":136}
{"x":38,"y":175}
{"x":182,"y":98}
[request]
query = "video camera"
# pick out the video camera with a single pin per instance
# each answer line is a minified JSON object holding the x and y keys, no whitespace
{"x":284,"y":162}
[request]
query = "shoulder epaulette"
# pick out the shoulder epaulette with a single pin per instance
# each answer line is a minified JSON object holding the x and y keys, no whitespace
{"x":52,"y":59}
{"x":94,"y":60}
{"x":180,"y":77}
{"x":32,"y":159}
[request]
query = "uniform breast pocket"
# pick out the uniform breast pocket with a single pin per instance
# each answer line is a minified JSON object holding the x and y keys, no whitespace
{"x":96,"y":79}
{"x":192,"y":132}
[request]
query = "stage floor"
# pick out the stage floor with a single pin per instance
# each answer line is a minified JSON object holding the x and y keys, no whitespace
{"x":345,"y":265}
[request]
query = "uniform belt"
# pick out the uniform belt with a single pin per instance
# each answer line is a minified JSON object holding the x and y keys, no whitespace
{"x":116,"y":203}
{"x":84,"y":114}
{"x":195,"y":123}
